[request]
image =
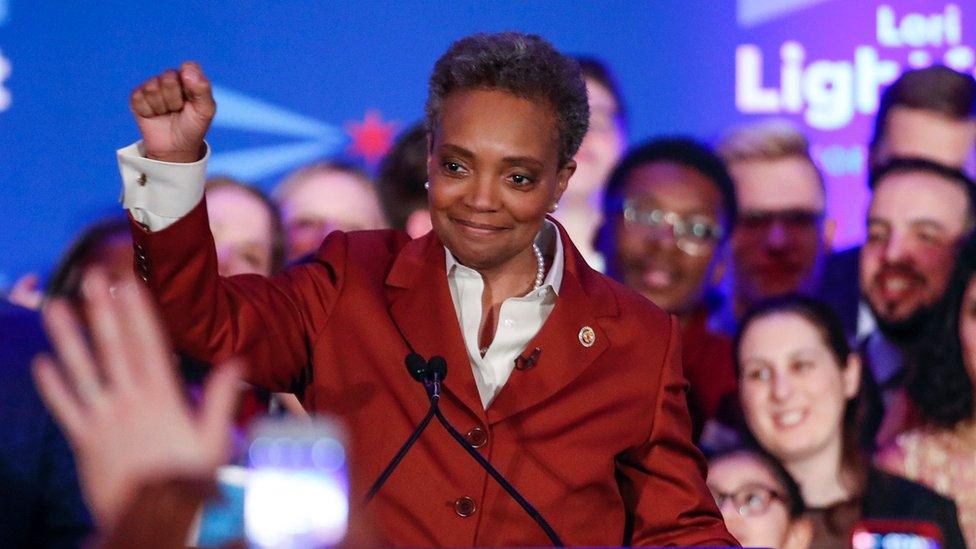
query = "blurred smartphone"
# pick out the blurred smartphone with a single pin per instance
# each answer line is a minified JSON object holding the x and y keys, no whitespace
{"x":293,"y":493}
{"x":221,"y":521}
{"x":896,"y":534}
{"x":297,"y":491}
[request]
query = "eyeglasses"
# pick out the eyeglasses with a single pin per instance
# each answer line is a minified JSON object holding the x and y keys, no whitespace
{"x":693,"y":234}
{"x":750,"y":500}
{"x":793,"y":220}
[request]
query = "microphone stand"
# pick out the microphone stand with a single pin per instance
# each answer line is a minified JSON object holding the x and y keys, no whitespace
{"x":431,"y":374}
{"x":434,"y":395}
{"x":420,"y":370}
{"x":399,"y":456}
{"x":523,"y":503}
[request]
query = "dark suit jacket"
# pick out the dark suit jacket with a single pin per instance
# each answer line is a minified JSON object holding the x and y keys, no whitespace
{"x":597,"y":438}
{"x":888,"y":496}
{"x":841,"y":287}
{"x":40,"y":502}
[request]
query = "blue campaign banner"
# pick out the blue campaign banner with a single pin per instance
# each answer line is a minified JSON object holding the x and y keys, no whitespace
{"x":301,"y":80}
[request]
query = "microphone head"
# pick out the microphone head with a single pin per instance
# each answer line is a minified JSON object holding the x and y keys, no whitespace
{"x":438,"y":366}
{"x":418,"y":367}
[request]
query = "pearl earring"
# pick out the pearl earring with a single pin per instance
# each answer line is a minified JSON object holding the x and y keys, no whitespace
{"x":427,"y":185}
{"x":554,"y":207}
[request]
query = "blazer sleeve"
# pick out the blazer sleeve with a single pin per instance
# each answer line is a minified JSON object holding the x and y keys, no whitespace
{"x":270,"y":323}
{"x":663,"y":480}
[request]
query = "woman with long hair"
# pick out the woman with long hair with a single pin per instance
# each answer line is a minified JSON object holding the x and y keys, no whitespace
{"x":941,"y":382}
{"x":799,"y":384}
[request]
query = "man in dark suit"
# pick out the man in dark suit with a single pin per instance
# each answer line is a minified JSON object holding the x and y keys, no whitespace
{"x":40,"y":502}
{"x":927,"y":113}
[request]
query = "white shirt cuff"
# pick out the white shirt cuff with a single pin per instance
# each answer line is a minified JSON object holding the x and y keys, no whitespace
{"x":159,"y":193}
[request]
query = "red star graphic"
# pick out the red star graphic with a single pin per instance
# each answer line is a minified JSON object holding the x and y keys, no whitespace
{"x":372,"y":137}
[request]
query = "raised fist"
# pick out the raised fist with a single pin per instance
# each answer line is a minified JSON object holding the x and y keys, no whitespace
{"x":173,"y":111}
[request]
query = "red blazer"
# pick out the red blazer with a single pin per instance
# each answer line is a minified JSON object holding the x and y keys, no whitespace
{"x":597,"y":438}
{"x":707,"y":360}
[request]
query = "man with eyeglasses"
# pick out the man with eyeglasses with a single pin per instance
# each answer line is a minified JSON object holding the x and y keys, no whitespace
{"x":782,"y":236}
{"x":668,"y":209}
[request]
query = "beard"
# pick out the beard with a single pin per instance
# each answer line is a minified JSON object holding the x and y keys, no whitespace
{"x":907,"y":331}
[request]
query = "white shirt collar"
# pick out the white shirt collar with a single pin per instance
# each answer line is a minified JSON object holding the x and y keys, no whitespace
{"x":547,"y":239}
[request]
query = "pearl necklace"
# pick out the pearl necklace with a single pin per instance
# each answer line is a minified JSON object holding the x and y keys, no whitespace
{"x":540,"y":275}
{"x":540,"y":272}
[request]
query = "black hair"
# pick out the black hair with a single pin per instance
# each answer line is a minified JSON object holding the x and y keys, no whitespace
{"x":679,"y":150}
{"x":937,"y":89}
{"x":402,"y":174}
{"x":525,"y":65}
{"x":66,"y":279}
{"x":598,"y":71}
{"x":792,"y":496}
{"x":938,"y":381}
{"x":923,"y":165}
{"x":825,"y":321}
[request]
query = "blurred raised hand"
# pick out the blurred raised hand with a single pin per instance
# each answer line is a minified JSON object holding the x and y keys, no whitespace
{"x":173,"y":111}
{"x":119,"y":400}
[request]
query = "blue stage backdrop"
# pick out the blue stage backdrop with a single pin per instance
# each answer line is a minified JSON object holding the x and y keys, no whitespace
{"x":301,"y":80}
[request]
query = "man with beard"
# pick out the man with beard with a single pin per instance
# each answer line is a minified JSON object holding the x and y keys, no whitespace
{"x":927,"y":113}
{"x":781,"y":237}
{"x":920,"y":210}
{"x":668,"y":210}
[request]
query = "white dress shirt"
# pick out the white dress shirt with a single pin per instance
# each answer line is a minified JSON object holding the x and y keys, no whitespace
{"x":159,"y":193}
{"x":519,"y":319}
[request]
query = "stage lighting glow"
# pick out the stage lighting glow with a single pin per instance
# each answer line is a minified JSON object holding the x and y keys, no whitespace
{"x":298,"y":488}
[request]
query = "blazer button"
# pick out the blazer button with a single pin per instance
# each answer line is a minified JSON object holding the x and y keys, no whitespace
{"x":464,"y":506}
{"x":477,"y":437}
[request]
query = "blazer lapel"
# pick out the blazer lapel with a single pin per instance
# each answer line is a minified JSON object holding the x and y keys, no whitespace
{"x":423,"y":310}
{"x":569,"y":342}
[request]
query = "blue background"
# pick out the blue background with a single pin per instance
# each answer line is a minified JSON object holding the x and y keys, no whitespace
{"x":327,"y":64}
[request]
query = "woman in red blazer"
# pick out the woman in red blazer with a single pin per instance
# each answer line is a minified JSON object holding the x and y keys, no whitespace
{"x":594,"y":431}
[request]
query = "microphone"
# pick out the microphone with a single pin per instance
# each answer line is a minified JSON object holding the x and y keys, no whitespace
{"x":431,"y":373}
{"x":437,"y":372}
{"x":523,"y":363}
{"x":421,"y":371}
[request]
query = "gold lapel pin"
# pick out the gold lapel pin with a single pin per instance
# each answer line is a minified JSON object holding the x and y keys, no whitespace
{"x":587,"y":336}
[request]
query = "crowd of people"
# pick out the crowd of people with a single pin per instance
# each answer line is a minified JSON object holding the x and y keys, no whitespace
{"x":825,"y":387}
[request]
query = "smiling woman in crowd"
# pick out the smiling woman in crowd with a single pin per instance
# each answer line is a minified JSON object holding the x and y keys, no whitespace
{"x":799,"y":383}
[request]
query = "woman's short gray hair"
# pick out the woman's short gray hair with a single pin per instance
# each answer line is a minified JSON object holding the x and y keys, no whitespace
{"x":525,"y":65}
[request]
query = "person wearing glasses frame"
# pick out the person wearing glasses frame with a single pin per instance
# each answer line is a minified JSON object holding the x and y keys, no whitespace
{"x":668,"y":210}
{"x":800,"y":386}
{"x":759,"y":500}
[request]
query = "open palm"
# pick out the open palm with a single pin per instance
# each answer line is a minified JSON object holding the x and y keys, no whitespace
{"x":120,"y":403}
